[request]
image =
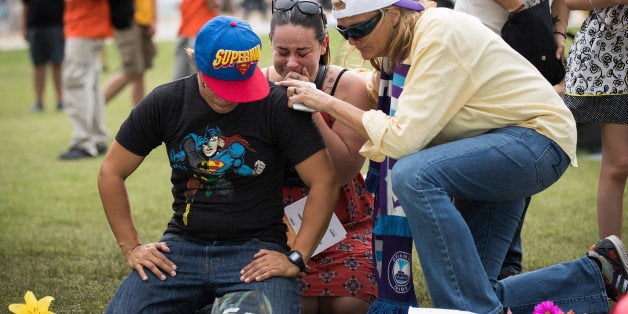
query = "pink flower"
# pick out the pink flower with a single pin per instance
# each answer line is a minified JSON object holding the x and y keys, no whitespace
{"x":547,"y":307}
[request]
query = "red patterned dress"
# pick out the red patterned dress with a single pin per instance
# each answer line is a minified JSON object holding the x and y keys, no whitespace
{"x":346,"y":268}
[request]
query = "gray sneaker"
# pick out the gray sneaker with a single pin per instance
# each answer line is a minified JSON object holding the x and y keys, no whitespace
{"x":613,"y":260}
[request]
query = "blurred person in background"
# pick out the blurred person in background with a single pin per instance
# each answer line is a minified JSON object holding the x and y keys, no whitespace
{"x":194,"y":13}
{"x":137,"y":51}
{"x":42,"y":27}
{"x":250,"y":6}
{"x":86,"y":25}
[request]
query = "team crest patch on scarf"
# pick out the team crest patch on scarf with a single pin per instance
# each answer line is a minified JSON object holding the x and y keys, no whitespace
{"x":400,"y":272}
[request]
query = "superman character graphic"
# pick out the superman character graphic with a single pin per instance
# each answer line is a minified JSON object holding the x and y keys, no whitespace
{"x":208,"y":157}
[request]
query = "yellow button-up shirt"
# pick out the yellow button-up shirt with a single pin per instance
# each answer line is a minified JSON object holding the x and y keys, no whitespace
{"x":464,"y":80}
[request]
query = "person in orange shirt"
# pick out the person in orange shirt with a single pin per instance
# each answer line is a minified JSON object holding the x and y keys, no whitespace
{"x":137,"y":51}
{"x":87,"y":25}
{"x":194,"y":13}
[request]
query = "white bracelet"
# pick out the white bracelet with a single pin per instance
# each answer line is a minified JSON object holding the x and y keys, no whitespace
{"x":591,"y":4}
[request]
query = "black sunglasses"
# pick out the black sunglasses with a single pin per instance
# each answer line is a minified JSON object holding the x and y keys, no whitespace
{"x":305,"y":6}
{"x":358,"y":31}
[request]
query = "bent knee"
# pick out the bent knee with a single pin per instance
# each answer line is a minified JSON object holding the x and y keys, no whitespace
{"x":407,"y":171}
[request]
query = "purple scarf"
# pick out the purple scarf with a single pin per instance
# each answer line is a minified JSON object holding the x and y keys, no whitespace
{"x":392,"y":239}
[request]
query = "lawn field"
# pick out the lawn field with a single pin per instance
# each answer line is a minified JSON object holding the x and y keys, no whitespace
{"x":55,"y":240}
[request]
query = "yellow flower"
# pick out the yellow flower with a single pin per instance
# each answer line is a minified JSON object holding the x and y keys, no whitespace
{"x":32,"y":305}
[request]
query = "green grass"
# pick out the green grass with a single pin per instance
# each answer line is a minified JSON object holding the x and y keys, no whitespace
{"x":55,"y":240}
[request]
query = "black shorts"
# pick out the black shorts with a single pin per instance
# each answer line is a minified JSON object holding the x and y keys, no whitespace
{"x":46,"y":44}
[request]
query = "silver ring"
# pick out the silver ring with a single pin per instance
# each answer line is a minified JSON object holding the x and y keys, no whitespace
{"x":295,"y":90}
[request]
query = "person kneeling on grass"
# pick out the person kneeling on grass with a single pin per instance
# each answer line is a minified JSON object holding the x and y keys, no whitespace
{"x":229,"y":136}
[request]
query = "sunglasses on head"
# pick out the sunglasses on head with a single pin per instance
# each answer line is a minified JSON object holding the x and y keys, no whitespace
{"x":305,"y":6}
{"x":358,"y":31}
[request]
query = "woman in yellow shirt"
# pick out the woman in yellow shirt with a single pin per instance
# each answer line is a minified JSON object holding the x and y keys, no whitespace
{"x":454,"y":123}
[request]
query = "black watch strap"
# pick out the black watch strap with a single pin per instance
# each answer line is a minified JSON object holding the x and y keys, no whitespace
{"x":297,"y":259}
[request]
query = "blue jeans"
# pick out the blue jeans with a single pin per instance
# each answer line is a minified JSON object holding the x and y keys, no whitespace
{"x":461,"y":251}
{"x":514,"y":256}
{"x":205,"y":270}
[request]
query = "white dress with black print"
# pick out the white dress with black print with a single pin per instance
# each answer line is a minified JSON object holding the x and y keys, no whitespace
{"x":597,"y":81}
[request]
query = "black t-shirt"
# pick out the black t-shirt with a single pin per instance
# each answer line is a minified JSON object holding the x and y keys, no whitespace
{"x":218,"y":194}
{"x":44,"y":12}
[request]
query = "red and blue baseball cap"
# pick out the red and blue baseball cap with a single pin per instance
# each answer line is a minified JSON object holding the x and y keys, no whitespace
{"x":227,"y":52}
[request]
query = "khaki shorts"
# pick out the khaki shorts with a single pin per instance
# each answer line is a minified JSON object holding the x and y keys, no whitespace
{"x":136,"y":48}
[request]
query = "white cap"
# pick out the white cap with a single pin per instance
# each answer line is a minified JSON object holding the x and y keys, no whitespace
{"x":355,"y":7}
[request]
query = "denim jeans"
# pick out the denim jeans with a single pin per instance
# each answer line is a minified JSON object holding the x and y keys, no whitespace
{"x":461,"y":251}
{"x":205,"y":270}
{"x":514,"y":255}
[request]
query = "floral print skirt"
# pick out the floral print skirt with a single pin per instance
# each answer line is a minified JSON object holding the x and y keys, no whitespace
{"x":346,"y":268}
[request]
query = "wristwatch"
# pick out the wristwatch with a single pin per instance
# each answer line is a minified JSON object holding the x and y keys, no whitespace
{"x":297,"y":259}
